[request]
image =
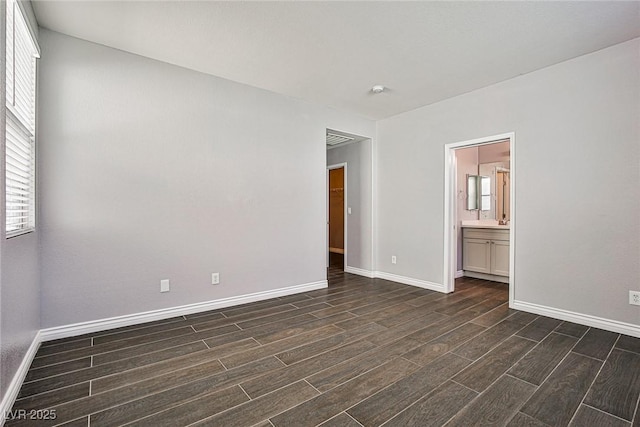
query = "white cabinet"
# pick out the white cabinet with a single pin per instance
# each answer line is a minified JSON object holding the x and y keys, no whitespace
{"x":485,"y":253}
{"x":500,"y":257}
{"x":476,"y":255}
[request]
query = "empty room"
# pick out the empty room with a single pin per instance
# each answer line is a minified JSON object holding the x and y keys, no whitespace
{"x":320,"y":213}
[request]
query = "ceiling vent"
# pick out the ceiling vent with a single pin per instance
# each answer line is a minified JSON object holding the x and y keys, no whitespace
{"x":333,"y":139}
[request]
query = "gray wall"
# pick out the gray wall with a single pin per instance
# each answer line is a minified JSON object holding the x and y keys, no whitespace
{"x":577,"y":177}
{"x":19,"y":281}
{"x":149,"y":171}
{"x":357,"y":155}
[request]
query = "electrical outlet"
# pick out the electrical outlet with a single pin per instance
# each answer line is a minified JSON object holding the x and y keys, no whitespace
{"x":634,"y":297}
{"x":164,"y":285}
{"x":215,"y":278}
{"x":393,"y":259}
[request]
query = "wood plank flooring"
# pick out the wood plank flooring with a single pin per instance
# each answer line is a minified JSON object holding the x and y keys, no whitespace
{"x":364,"y":352}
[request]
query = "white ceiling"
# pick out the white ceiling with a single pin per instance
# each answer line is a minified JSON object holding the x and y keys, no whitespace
{"x":333,"y":52}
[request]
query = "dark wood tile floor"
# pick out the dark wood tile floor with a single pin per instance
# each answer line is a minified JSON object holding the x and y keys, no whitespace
{"x":364,"y":352}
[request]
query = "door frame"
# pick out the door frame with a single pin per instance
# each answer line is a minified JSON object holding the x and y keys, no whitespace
{"x":450,"y":208}
{"x":344,"y":213}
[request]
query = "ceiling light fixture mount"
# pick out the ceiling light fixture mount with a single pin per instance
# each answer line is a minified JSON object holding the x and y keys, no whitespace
{"x":377,"y":89}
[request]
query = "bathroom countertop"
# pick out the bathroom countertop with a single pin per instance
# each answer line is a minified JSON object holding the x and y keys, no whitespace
{"x":484,"y":224}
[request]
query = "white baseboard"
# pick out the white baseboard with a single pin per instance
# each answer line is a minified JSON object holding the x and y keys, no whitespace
{"x":166,"y":313}
{"x":583,"y":319}
{"x":492,"y":277}
{"x":11,"y":394}
{"x":65,"y":331}
{"x":459,"y":274}
{"x":359,"y":272}
{"x":395,"y":278}
{"x":410,"y":281}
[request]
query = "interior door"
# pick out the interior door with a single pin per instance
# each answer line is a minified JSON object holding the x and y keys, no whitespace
{"x":336,"y":210}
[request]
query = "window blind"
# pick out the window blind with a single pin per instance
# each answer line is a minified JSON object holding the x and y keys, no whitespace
{"x":21,"y":54}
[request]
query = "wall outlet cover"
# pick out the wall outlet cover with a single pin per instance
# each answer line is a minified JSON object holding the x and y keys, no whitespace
{"x":164,"y":285}
{"x":634,"y":297}
{"x":215,"y":278}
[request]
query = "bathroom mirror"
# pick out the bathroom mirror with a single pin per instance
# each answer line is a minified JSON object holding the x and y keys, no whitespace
{"x":478,"y":193}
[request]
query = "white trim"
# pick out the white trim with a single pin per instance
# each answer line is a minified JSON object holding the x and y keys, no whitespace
{"x":344,"y":214}
{"x":450,"y":218}
{"x":410,"y":281}
{"x":512,"y":217}
{"x":395,"y":278}
{"x":360,"y":272}
{"x":374,"y":203}
{"x":583,"y":319}
{"x":165,"y":313}
{"x":450,"y":224}
{"x":11,"y":394}
{"x":459,"y":274}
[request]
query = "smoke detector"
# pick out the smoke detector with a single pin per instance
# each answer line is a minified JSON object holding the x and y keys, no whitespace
{"x":377,"y":89}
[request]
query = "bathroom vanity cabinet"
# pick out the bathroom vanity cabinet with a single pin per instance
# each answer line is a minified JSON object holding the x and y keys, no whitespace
{"x":485,"y":253}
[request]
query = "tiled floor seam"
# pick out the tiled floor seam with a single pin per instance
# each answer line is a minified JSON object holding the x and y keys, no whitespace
{"x":512,"y":364}
{"x":141,"y":354}
{"x":557,"y":364}
{"x":167,"y":408}
{"x":130,"y":369}
{"x":312,"y":386}
{"x":99,"y":334}
{"x":506,"y":373}
{"x":530,"y":339}
{"x":244,"y":391}
{"x":625,"y":350}
{"x":56,"y":375}
{"x":220,"y":361}
{"x":566,"y":335}
{"x":244,"y":403}
{"x":492,"y":347}
{"x":635,"y":412}
{"x":517,"y":378}
{"x":120,"y":349}
{"x":605,"y":412}
{"x":349,"y":415}
{"x":188,"y":400}
{"x":142,"y":396}
{"x":595,"y":377}
{"x":419,"y":398}
{"x":497,"y":379}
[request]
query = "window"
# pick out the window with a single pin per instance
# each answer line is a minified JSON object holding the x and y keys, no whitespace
{"x":21,"y":54}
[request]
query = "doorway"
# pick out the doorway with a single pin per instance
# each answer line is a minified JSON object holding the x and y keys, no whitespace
{"x":337,"y":224}
{"x":456,"y":196}
{"x":353,"y":153}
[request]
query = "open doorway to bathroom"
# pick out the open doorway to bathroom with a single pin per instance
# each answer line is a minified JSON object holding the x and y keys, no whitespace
{"x":479,"y":220}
